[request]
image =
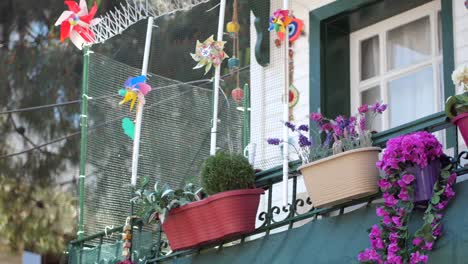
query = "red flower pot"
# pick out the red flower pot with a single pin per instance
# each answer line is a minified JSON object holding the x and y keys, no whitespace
{"x":461,"y":121}
{"x":218,"y":217}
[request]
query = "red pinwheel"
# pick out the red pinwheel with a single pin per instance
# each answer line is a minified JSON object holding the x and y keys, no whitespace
{"x":75,"y":23}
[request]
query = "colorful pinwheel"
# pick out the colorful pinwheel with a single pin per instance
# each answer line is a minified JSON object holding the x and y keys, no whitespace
{"x":75,"y":23}
{"x":279,"y":21}
{"x":135,"y":89}
{"x":209,"y":53}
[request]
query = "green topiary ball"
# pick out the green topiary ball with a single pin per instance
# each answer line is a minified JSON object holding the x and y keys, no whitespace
{"x":225,"y":172}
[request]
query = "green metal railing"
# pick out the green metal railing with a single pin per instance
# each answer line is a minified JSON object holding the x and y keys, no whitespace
{"x":290,"y":214}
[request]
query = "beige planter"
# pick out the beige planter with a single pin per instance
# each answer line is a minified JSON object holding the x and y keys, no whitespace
{"x":342,"y":177}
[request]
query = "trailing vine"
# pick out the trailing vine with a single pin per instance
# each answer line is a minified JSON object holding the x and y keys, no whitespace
{"x":392,"y":241}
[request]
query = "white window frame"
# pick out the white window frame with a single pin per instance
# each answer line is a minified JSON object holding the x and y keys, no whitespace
{"x":381,"y":29}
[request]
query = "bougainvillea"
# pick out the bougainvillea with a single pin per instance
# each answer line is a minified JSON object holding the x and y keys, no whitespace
{"x":391,"y":243}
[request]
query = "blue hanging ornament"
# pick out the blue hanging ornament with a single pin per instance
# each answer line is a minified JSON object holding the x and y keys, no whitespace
{"x":233,"y":63}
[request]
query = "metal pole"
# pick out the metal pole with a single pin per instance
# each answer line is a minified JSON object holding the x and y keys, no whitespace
{"x":246,"y":132}
{"x":286,"y":112}
{"x":139,"y":116}
{"x":214,"y":126}
{"x":84,"y":140}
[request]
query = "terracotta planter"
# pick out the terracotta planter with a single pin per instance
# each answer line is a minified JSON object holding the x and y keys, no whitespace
{"x":342,"y":177}
{"x":461,"y":121}
{"x":218,"y":217}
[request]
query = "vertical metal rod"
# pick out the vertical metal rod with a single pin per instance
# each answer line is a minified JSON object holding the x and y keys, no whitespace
{"x":246,"y":132}
{"x":214,"y":125}
{"x":139,"y":117}
{"x":286,"y":111}
{"x":84,"y":140}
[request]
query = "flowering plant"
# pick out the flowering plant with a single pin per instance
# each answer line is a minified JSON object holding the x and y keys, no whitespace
{"x":339,"y":134}
{"x":458,"y":104}
{"x":391,"y":242}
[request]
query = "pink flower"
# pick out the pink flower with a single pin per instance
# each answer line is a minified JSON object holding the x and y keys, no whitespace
{"x":390,"y":200}
{"x":327,"y":127}
{"x":452,"y":179}
{"x":437,"y":231}
{"x":393,"y":248}
{"x":380,"y":211}
{"x":441,"y":205}
{"x":377,"y":243}
{"x":397,"y":221}
{"x":363,"y":109}
{"x":369,"y":255}
{"x":418,"y":258}
{"x":317,"y":117}
{"x":384,"y":184}
{"x":449,"y":193}
{"x":393,"y":237}
{"x":375,"y":231}
{"x":387,"y":220}
{"x":428,"y":245}
{"x":408,"y":178}
{"x":394,"y":259}
{"x":403,"y":195}
{"x":417,"y":241}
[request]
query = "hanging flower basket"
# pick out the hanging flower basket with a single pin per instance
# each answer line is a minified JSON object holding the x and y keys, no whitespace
{"x":425,"y":179}
{"x":342,"y":177}
{"x":221,"y":216}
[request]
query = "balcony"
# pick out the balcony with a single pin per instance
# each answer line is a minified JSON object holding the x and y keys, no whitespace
{"x":296,"y":233}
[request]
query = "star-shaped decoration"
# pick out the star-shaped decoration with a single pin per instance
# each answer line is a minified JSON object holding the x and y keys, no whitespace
{"x":209,"y":53}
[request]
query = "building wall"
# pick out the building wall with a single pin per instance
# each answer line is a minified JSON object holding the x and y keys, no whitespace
{"x":267,"y":83}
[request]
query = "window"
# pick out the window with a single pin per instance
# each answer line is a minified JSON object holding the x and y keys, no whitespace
{"x":399,"y":61}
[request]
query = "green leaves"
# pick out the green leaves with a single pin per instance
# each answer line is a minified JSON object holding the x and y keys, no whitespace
{"x":435,"y":199}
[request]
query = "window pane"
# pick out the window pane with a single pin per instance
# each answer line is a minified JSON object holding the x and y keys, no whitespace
{"x":370,"y":58}
{"x":371,"y":96}
{"x":411,"y":97}
{"x":409,"y":44}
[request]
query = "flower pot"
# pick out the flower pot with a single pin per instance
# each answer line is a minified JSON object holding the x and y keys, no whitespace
{"x":342,"y":177}
{"x":424,"y":180}
{"x":461,"y":121}
{"x":221,"y":216}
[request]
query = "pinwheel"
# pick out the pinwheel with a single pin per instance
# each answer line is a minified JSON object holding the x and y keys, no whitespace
{"x":135,"y":89}
{"x":279,"y":21}
{"x":75,"y":23}
{"x":209,"y":53}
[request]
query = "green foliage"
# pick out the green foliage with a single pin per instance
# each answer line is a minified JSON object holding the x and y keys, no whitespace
{"x":156,"y":203}
{"x":456,"y":104}
{"x":225,"y":172}
{"x":35,"y":218}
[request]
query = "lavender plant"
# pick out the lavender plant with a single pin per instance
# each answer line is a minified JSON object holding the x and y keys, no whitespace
{"x":335,"y":135}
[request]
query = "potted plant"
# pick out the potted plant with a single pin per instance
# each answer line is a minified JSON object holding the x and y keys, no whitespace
{"x":406,"y":163}
{"x":341,"y":167}
{"x":229,"y":211}
{"x":456,"y":106}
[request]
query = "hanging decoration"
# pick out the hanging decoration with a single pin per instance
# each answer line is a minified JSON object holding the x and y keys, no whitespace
{"x":127,"y":242}
{"x":209,"y":53}
{"x":293,"y":92}
{"x":75,"y":23}
{"x":135,"y":90}
{"x":282,"y":19}
{"x":233,"y":29}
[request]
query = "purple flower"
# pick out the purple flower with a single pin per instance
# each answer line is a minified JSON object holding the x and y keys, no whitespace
{"x":390,"y":200}
{"x":375,"y":106}
{"x":274,"y":141}
{"x":290,"y":126}
{"x":441,"y":205}
{"x":437,"y":231}
{"x":408,"y":178}
{"x":393,"y":237}
{"x":403,"y":195}
{"x":377,"y":243}
{"x":381,"y":108}
{"x":380,"y":211}
{"x":428,"y":246}
{"x":363,"y":109}
{"x":326,"y":127}
{"x":362,"y":124}
{"x":417,"y":241}
{"x":387,"y":220}
{"x":317,"y":117}
{"x":452,"y":179}
{"x":384,"y":184}
{"x":418,"y":258}
{"x":304,"y":128}
{"x":375,"y":231}
{"x":449,"y":193}
{"x":393,"y":248}
{"x":369,"y":255}
{"x":397,"y":221}
{"x":304,"y":141}
{"x":394,"y":259}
